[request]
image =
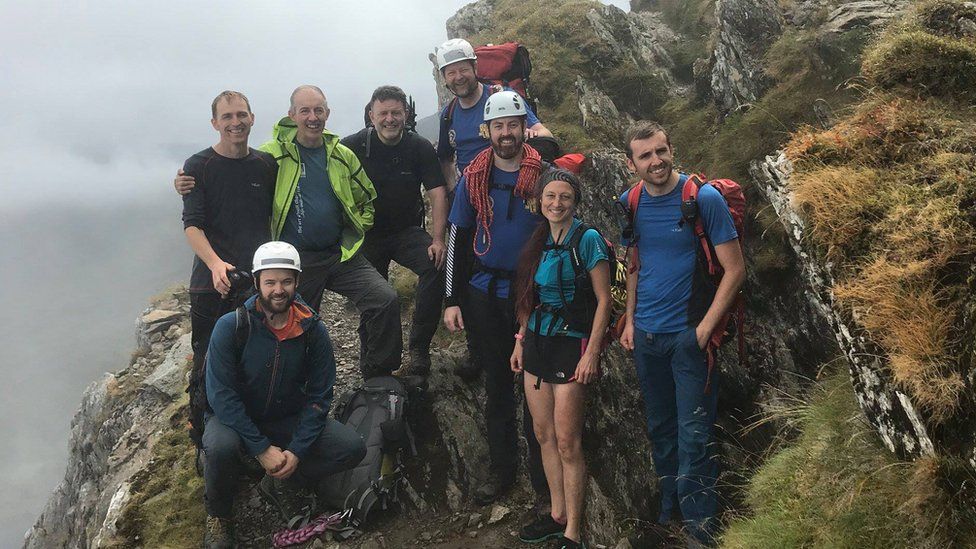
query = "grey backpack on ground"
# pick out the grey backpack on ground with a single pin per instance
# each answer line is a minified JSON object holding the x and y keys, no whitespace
{"x":377,"y":410}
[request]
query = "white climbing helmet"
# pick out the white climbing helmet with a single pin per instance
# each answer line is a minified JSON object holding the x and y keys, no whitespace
{"x":504,"y":103}
{"x":276,"y":255}
{"x":452,"y":51}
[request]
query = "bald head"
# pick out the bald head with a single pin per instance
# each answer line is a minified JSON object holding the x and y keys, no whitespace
{"x":304,"y":90}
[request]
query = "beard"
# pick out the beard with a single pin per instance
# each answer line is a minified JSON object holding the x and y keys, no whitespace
{"x":507,"y":149}
{"x":464,"y":90}
{"x":276,"y":307}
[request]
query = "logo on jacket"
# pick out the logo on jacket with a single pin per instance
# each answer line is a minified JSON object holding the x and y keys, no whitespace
{"x":451,"y":138}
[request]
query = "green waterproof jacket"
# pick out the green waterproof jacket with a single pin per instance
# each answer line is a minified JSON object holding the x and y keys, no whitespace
{"x":350,"y":183}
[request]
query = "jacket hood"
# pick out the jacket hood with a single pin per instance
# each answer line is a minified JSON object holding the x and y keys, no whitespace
{"x":311,"y":317}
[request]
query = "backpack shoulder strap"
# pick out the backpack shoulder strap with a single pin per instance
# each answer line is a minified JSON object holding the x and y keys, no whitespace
{"x":690,"y":213}
{"x":633,"y":200}
{"x":574,"y":248}
{"x":449,"y":111}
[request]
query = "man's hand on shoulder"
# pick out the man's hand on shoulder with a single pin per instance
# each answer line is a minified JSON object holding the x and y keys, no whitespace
{"x":273,"y":460}
{"x":183,"y":183}
{"x":291,"y":463}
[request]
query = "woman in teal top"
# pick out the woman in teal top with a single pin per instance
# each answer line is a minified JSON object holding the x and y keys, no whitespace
{"x":558,"y":345}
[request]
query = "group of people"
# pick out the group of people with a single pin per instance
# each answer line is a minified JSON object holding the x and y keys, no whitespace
{"x":504,"y":254}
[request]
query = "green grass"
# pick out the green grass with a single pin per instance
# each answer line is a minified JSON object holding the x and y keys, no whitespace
{"x":837,"y":486}
{"x":166,"y":506}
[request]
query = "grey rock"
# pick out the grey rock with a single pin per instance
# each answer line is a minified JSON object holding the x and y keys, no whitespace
{"x":890,"y":410}
{"x":746,"y":29}
{"x":471,"y":19}
{"x":863,"y":14}
{"x":168,"y":377}
{"x":640,"y":38}
{"x":473,"y":520}
{"x":498,"y":513}
{"x":596,"y":107}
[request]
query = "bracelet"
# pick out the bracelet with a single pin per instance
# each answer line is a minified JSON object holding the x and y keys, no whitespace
{"x":519,"y":336}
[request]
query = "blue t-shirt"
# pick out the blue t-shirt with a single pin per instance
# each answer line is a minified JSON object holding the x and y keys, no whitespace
{"x":667,"y":249}
{"x":508,"y":236}
{"x":592,"y":250}
{"x":315,"y":218}
{"x":468,"y":134}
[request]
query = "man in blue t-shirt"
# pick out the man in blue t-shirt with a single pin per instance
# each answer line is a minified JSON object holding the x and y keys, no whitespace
{"x":464,"y":134}
{"x":489,"y":226}
{"x":668,"y":331}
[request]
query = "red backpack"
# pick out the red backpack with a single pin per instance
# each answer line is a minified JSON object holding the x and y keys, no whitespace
{"x":502,"y":65}
{"x":733,"y":322}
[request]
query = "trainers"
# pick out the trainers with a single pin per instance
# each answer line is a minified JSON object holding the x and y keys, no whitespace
{"x":467,"y":369}
{"x":219,"y":534}
{"x":287,"y":499}
{"x":495,"y":487}
{"x":565,"y":543}
{"x":543,"y":528}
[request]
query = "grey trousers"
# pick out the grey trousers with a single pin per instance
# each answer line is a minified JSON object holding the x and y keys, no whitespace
{"x":380,"y":338}
{"x":339,"y":447}
{"x":408,"y":247}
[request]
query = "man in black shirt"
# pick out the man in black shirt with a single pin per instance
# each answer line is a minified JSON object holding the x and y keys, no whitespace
{"x":399,"y":162}
{"x":226,"y":216}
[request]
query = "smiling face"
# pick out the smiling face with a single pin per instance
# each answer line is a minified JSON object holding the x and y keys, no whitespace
{"x":233,"y":119}
{"x":460,"y":78}
{"x":558,"y":201}
{"x":507,"y":135}
{"x":276,"y":289}
{"x":651,"y":159}
{"x":309,"y":111}
{"x":388,"y":117}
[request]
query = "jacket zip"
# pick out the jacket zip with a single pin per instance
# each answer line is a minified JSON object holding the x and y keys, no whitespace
{"x":274,"y":372}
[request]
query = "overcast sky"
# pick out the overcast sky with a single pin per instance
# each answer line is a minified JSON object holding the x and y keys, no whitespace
{"x":105,"y":98}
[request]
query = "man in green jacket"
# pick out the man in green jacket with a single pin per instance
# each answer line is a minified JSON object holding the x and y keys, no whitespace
{"x":323,"y":207}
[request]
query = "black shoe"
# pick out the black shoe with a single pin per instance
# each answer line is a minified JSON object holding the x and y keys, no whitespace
{"x":543,"y":528}
{"x":496,"y":487}
{"x":419,"y":363}
{"x":468,"y":370}
{"x":566,"y":543}
{"x":219,"y":534}
{"x":284,"y":496}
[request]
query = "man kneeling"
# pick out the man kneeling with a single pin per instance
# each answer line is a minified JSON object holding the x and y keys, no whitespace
{"x":270,"y":394}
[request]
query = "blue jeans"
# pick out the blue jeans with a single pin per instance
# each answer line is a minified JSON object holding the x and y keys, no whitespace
{"x":673,"y":373}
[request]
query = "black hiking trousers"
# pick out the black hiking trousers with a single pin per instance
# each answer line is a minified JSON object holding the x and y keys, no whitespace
{"x":491,"y":321}
{"x":337,"y":448}
{"x":408,"y":247}
{"x":380,"y":335}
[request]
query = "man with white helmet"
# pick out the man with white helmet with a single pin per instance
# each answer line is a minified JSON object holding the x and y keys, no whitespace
{"x":270,"y":373}
{"x":490,"y":222}
{"x":463,"y":133}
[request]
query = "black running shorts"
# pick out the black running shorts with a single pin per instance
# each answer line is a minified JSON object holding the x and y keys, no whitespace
{"x":552,"y":358}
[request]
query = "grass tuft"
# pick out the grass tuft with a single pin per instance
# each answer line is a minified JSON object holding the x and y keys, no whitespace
{"x":837,"y":486}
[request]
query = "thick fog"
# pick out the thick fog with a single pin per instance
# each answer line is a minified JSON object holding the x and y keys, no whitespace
{"x":100,"y":103}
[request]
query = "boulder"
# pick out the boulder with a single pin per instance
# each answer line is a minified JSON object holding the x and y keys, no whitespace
{"x":746,"y":30}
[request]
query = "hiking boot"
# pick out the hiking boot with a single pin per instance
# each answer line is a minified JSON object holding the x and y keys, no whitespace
{"x":419,"y":363}
{"x":566,"y":543}
{"x":287,"y":499}
{"x":543,"y":528}
{"x":219,"y":534}
{"x":495,"y":487}
{"x":467,"y":369}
